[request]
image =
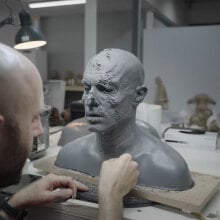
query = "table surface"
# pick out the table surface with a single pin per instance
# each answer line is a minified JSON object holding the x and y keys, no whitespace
{"x":202,"y":161}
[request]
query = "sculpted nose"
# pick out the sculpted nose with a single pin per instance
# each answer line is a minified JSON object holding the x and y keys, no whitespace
{"x":90,"y":99}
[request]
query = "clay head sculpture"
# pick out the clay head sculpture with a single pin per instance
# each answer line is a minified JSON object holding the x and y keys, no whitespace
{"x":109,"y":92}
{"x":113,"y":87}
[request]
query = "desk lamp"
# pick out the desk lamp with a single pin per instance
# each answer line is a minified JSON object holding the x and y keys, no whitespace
{"x":28,"y":36}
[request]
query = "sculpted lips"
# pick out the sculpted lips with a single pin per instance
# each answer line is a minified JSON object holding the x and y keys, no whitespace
{"x":94,"y":117}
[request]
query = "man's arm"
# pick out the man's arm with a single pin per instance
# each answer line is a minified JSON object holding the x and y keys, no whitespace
{"x":117,"y":177}
{"x":50,"y":188}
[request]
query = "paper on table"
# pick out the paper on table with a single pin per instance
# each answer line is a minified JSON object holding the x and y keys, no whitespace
{"x":151,"y":114}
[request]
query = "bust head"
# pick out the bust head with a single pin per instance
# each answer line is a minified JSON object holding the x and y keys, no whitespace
{"x":113,"y":87}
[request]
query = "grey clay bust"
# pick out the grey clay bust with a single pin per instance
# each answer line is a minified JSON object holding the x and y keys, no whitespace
{"x":113,"y":87}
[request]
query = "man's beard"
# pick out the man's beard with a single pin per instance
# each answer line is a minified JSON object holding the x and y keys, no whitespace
{"x":13,"y":155}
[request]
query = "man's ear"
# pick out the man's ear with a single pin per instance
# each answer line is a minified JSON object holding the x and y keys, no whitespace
{"x":141,"y":92}
{"x":2,"y":120}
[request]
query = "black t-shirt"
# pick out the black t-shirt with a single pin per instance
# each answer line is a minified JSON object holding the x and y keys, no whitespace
{"x":1,"y":218}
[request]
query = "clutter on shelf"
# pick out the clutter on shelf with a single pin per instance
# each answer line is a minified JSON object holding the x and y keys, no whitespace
{"x":203,"y":116}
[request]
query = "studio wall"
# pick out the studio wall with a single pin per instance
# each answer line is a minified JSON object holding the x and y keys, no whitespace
{"x":186,"y":59}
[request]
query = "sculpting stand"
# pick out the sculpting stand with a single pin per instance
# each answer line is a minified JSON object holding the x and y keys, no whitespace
{"x":128,"y":202}
{"x":190,"y":201}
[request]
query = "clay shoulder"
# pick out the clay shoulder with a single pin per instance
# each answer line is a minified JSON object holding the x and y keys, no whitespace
{"x":157,"y":153}
{"x":81,"y":144}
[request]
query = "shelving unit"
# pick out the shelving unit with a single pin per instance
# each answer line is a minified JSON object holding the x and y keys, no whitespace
{"x":74,"y":88}
{"x":73,"y":93}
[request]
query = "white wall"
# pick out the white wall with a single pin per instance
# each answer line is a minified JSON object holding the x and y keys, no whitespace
{"x":114,"y":30}
{"x":188,"y":61}
{"x":39,"y":58}
{"x":7,"y":35}
{"x":65,"y":37}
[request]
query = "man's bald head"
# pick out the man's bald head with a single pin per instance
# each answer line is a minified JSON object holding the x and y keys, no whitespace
{"x":17,"y":77}
{"x":21,"y":97}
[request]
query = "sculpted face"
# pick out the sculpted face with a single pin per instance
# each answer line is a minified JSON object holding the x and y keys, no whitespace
{"x":109,"y":91}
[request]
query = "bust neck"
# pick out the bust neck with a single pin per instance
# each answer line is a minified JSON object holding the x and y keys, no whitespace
{"x":118,"y":140}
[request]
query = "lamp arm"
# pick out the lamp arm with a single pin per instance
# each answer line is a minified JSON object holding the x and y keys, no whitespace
{"x":6,"y":21}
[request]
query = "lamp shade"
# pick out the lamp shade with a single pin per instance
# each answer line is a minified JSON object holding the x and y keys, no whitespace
{"x":28,"y":36}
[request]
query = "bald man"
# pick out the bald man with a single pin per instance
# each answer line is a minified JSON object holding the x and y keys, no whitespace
{"x":21,"y":103}
{"x":113,"y":87}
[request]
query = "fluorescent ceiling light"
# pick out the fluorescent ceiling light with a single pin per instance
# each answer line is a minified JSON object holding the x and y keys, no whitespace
{"x":45,"y":4}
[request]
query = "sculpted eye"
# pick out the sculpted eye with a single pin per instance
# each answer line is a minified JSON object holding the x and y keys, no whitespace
{"x":87,"y":88}
{"x":104,"y":89}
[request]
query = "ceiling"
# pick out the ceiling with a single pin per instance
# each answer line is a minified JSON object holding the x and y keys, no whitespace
{"x":110,"y":6}
{"x":103,"y":6}
{"x":118,"y":5}
{"x":193,"y":3}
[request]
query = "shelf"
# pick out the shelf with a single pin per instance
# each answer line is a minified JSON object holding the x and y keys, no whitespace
{"x":74,"y":88}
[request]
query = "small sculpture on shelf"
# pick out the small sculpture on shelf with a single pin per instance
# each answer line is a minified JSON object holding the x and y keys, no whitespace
{"x":78,"y":79}
{"x":161,"y":94}
{"x":212,"y":124}
{"x":203,"y":116}
{"x":69,"y":78}
{"x":54,"y":75}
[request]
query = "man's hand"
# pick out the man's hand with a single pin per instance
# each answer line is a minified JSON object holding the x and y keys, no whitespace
{"x":50,"y":188}
{"x":117,"y":177}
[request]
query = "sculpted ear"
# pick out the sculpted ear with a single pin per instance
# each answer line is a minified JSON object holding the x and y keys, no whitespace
{"x":141,"y":92}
